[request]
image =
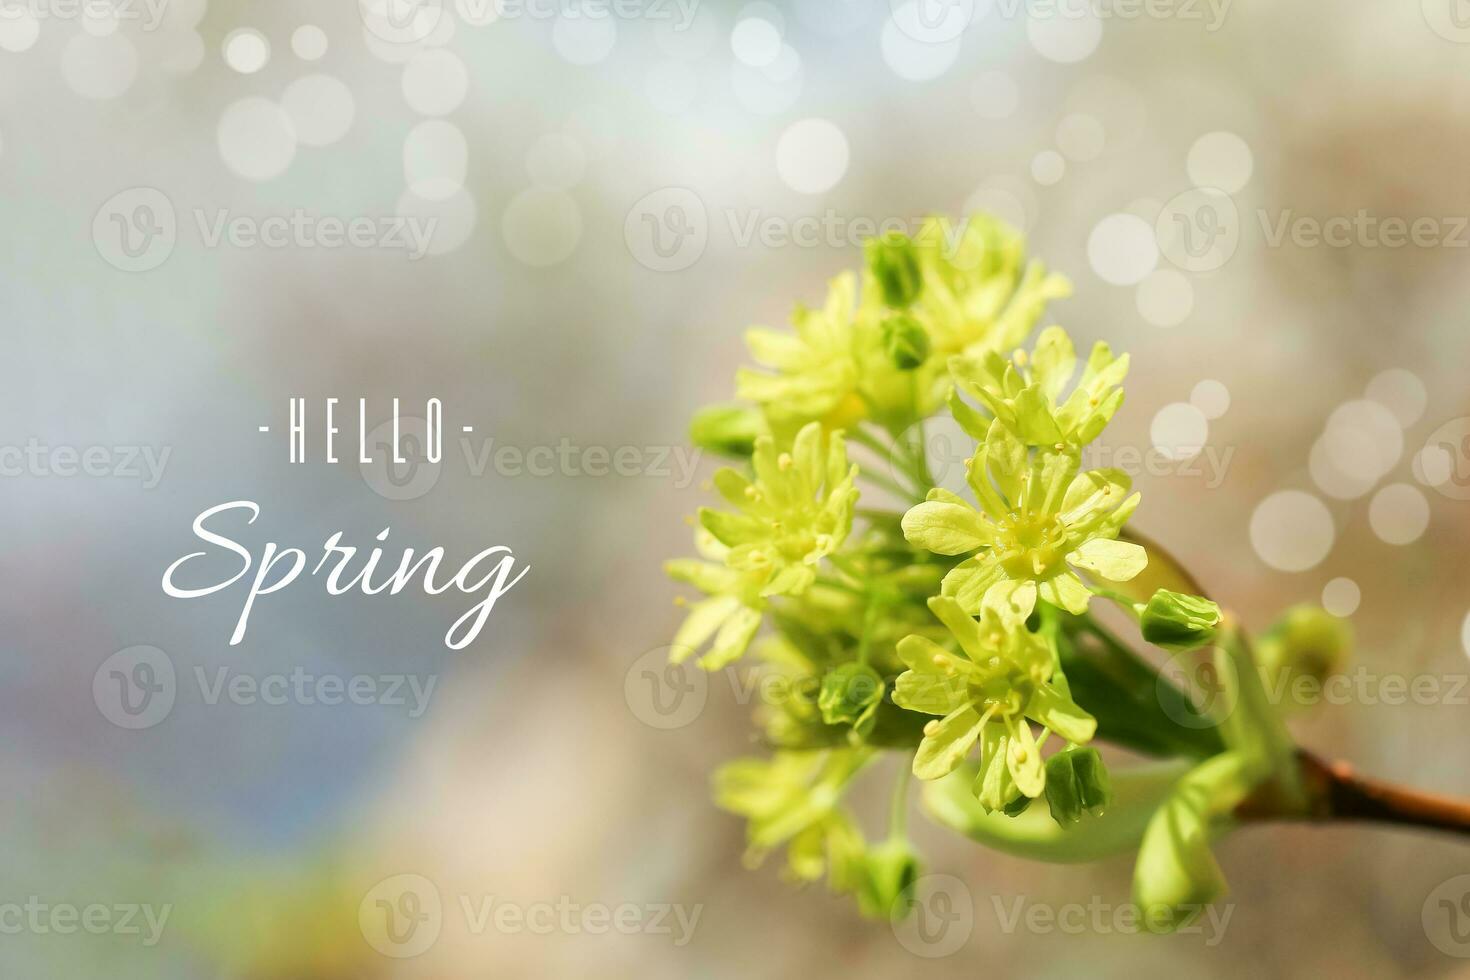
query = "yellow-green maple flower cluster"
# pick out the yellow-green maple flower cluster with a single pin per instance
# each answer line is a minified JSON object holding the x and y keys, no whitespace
{"x":946,"y":630}
{"x":932,"y":320}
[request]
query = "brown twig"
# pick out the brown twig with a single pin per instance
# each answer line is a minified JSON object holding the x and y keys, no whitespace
{"x":1335,"y":792}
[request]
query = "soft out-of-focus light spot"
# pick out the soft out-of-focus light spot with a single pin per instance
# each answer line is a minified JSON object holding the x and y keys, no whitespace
{"x":1292,"y":531}
{"x":594,"y":127}
{"x":1211,"y":397}
{"x":1341,"y":597}
{"x":1179,"y":431}
{"x":321,"y":109}
{"x":1081,"y":137}
{"x":994,"y":95}
{"x":689,"y":41}
{"x":309,"y":42}
{"x":246,"y":50}
{"x":1399,"y":513}
{"x":811,"y":156}
{"x":1048,"y":167}
{"x":1433,"y":465}
{"x":671,"y":86}
{"x":760,"y":91}
{"x":180,"y":53}
{"x":1064,"y":33}
{"x":755,"y":41}
{"x":786,"y":66}
{"x":556,"y":161}
{"x":1122,"y":249}
{"x":99,"y":67}
{"x":435,"y":82}
{"x":97,"y":20}
{"x":1165,"y":298}
{"x":764,"y":10}
{"x":435,"y":159}
{"x":1008,"y":198}
{"x":1332,"y":480}
{"x":907,"y":53}
{"x":1401,"y":392}
{"x":256,"y":138}
{"x":584,"y":40}
{"x":541,"y":226}
{"x":1363,"y":440}
{"x":453,"y":218}
{"x":1221,"y":160}
{"x":19,"y":29}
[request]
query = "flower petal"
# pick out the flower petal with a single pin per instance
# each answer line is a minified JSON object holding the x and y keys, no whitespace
{"x":704,"y":618}
{"x":1093,"y":495}
{"x":1059,"y":713}
{"x":1116,"y":561}
{"x":946,"y":528}
{"x":1066,"y":591}
{"x":968,"y":581}
{"x":733,"y":638}
{"x":946,"y":743}
{"x":1023,"y":761}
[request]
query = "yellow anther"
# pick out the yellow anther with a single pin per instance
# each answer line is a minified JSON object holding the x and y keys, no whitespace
{"x":931,"y":728}
{"x":680,"y":601}
{"x":784,"y":461}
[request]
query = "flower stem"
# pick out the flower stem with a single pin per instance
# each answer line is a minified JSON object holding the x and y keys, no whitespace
{"x":898,"y":813}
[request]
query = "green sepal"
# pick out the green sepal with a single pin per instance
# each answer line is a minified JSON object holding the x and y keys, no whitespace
{"x":1077,"y":782}
{"x":894,"y":265}
{"x":850,"y":695}
{"x":1179,"y":622}
{"x":729,"y":430}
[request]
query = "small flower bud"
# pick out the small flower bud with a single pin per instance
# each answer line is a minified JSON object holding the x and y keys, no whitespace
{"x":892,"y":262}
{"x":1176,"y":621}
{"x":1076,"y":783}
{"x":850,"y":695}
{"x":729,"y":430}
{"x":1306,"y":642}
{"x":891,"y":868}
{"x":906,"y":341}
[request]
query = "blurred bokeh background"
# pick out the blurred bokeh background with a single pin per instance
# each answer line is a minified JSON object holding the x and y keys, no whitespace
{"x":610,"y":194}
